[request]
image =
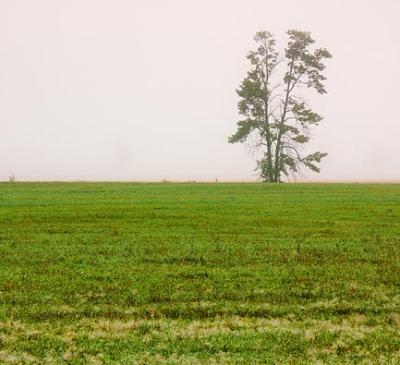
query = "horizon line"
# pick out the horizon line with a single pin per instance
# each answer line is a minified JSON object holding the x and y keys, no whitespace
{"x":207,"y":181}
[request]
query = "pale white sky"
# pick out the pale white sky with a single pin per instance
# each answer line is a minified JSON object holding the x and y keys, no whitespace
{"x":145,"y":90}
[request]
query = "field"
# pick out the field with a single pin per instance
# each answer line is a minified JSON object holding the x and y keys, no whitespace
{"x":119,"y":273}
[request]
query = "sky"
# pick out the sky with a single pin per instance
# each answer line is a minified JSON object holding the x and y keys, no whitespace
{"x":145,"y":90}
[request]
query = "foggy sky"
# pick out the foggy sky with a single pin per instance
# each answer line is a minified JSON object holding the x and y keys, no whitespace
{"x":145,"y":90}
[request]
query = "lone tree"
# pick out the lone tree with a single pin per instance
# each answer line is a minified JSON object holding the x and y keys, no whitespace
{"x":276,"y":118}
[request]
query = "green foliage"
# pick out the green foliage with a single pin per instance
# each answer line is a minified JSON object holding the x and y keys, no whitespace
{"x":245,"y":127}
{"x":274,"y":112}
{"x":312,"y":160}
{"x":199,"y":273}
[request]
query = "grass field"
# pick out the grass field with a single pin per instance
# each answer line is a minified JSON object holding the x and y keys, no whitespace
{"x":199,"y":273}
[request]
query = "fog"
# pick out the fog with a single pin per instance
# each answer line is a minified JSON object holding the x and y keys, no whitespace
{"x":145,"y":90}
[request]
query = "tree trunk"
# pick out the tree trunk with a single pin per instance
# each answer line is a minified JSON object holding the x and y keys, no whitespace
{"x":280,"y":133}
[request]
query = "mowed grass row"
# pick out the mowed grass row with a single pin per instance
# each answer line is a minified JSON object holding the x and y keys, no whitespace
{"x":199,"y":273}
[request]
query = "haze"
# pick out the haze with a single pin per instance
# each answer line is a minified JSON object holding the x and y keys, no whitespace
{"x":145,"y":90}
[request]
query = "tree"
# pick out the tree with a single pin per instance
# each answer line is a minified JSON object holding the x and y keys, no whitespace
{"x":276,"y":118}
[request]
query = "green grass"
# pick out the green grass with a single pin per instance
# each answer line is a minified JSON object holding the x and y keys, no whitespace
{"x":199,"y":273}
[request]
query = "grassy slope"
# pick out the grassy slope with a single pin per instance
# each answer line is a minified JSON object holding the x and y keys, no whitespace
{"x":186,"y":273}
